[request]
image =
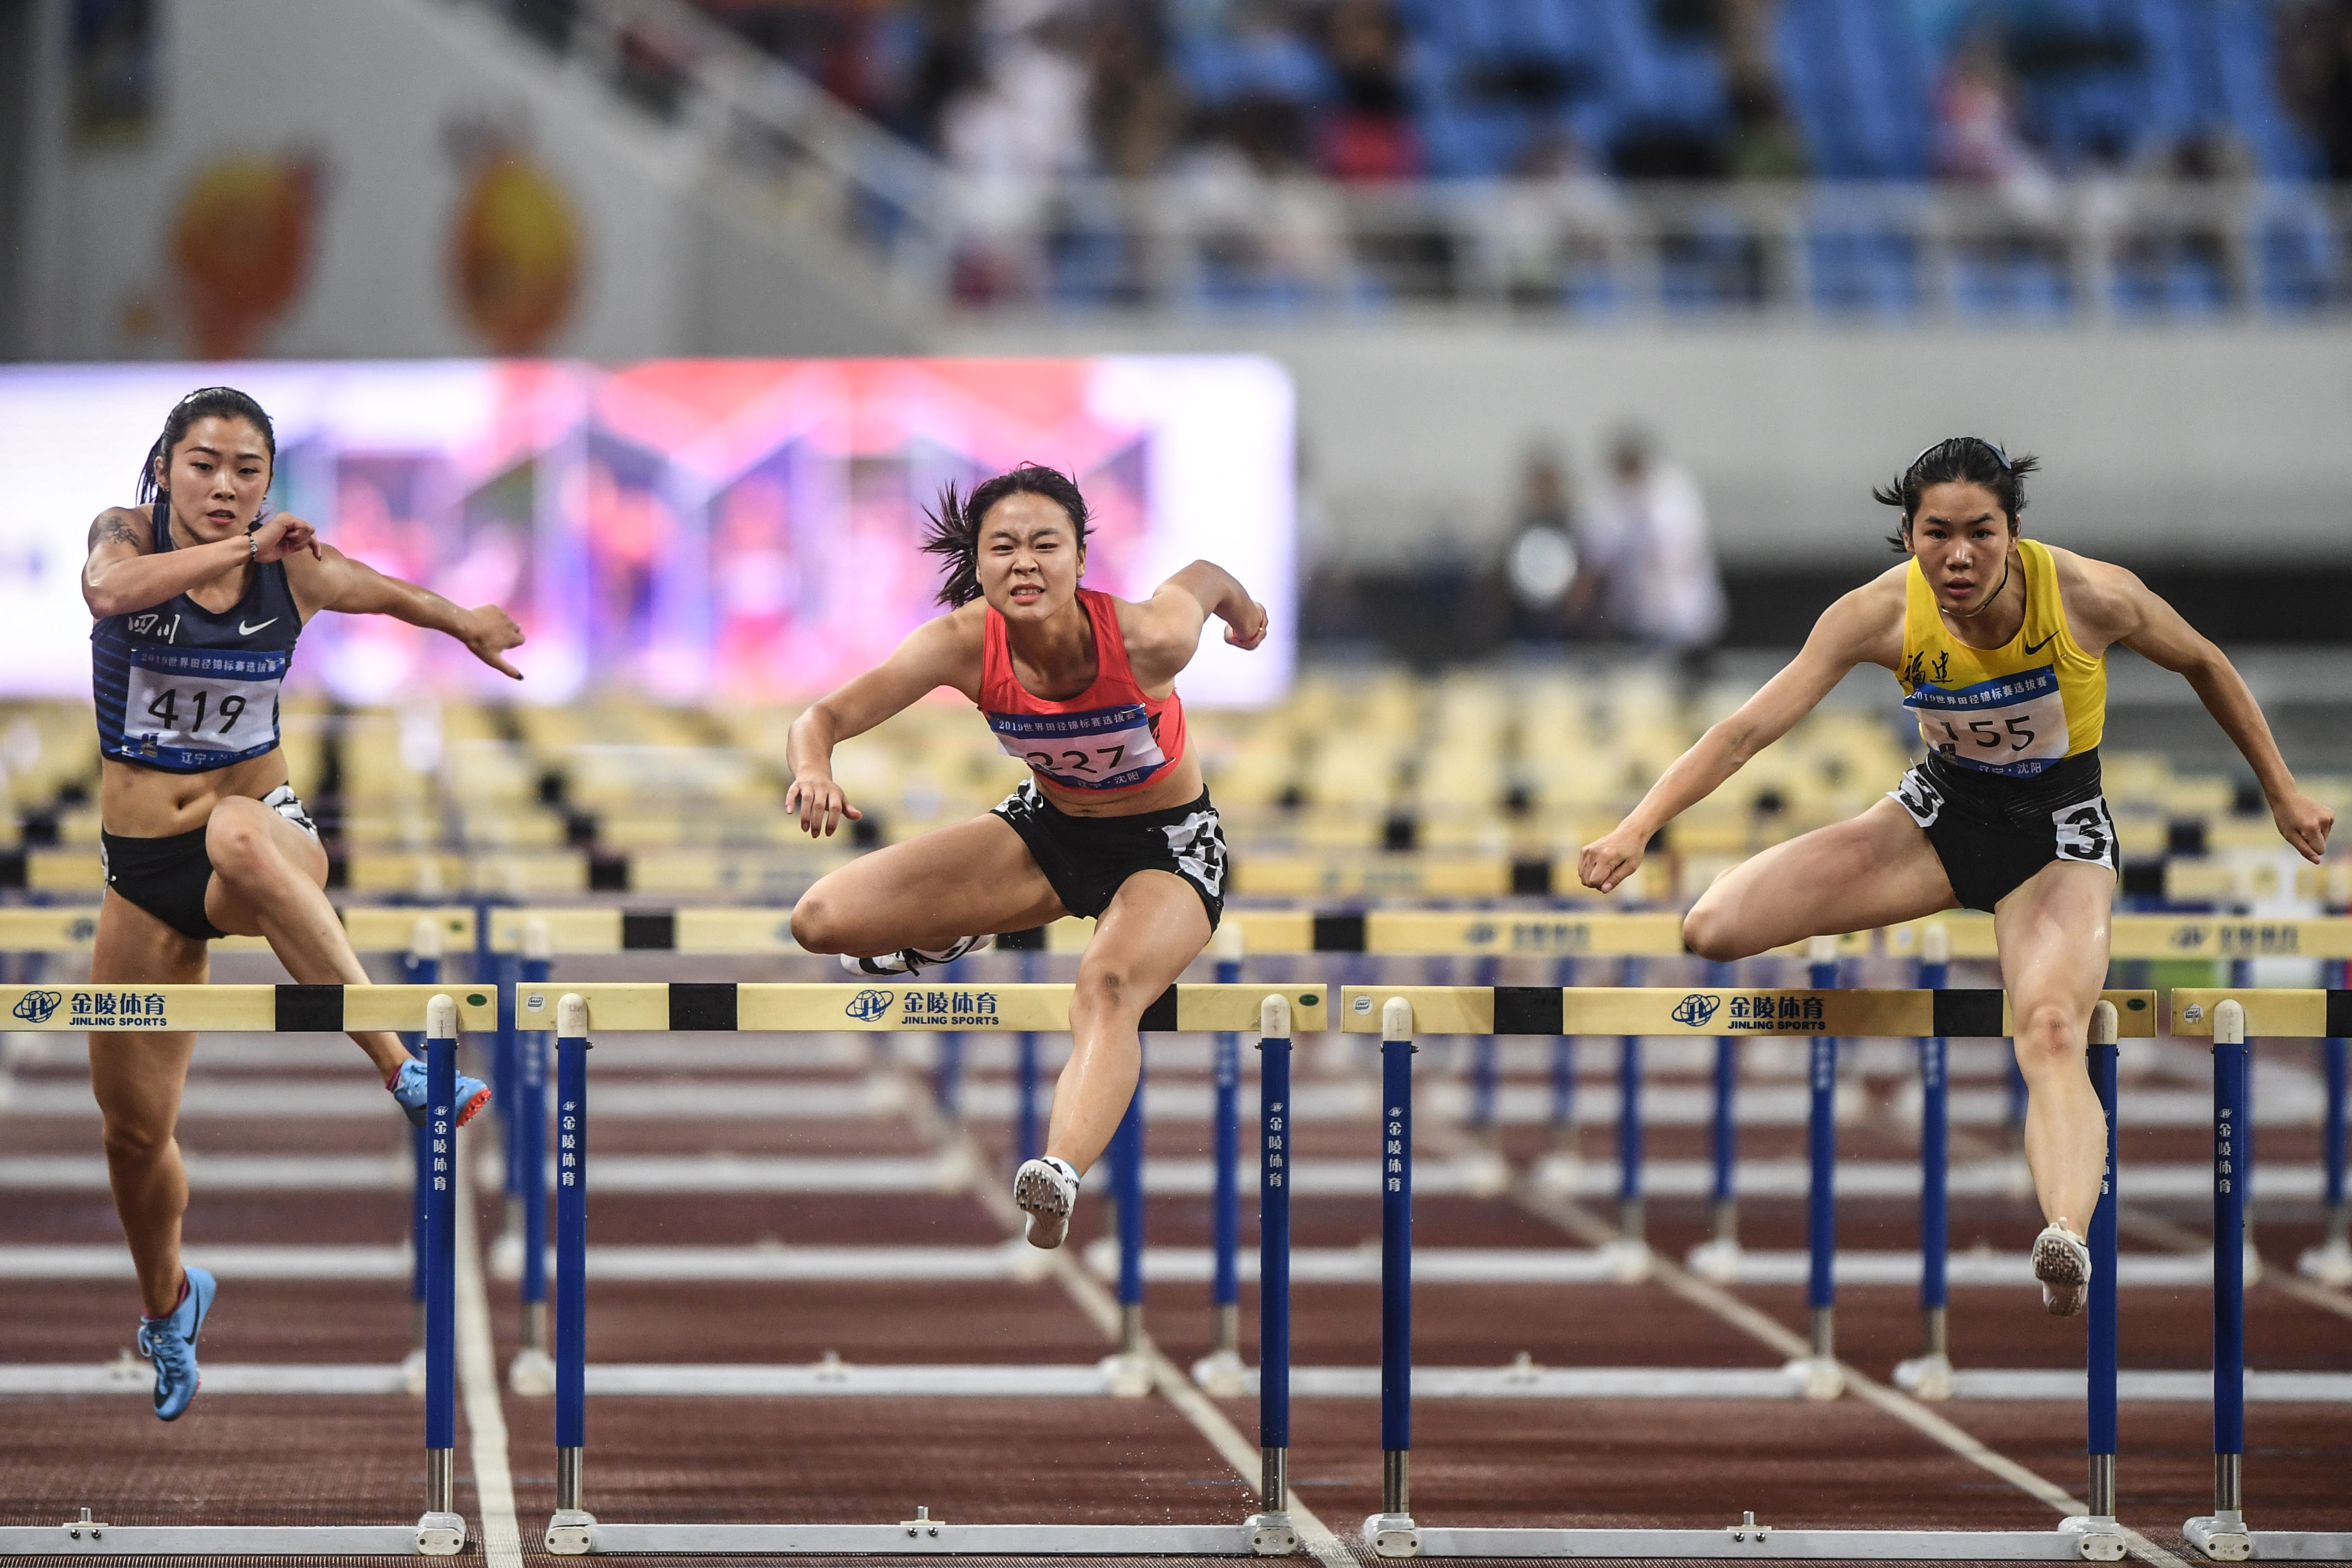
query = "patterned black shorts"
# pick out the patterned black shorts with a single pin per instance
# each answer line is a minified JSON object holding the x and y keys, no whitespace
{"x":1994,"y":835}
{"x":1087,"y":858}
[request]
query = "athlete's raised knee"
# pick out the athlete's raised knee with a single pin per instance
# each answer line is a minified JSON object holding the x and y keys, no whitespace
{"x":1713,"y":934}
{"x":237,"y":843}
{"x":816,"y":925}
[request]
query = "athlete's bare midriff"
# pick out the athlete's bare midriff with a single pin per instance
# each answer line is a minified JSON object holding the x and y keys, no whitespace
{"x":135,"y":802}
{"x":1179,"y":786}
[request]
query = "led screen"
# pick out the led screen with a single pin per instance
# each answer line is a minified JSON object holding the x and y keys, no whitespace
{"x":690,"y":529}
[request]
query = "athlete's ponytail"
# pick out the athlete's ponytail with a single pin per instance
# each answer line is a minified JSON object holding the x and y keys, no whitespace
{"x":1968,"y":458}
{"x":205,"y":403}
{"x":955,"y":532}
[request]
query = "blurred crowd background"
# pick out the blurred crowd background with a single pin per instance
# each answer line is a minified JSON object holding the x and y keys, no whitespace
{"x":1597,"y":319}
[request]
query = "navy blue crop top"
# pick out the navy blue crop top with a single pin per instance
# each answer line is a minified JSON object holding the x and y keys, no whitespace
{"x":187,"y":690}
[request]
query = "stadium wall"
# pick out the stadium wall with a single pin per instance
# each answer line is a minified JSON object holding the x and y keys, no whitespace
{"x":390,"y":178}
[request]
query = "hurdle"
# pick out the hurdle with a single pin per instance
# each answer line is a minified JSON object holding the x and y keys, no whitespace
{"x":1821,"y":1013}
{"x":440,"y":1531}
{"x":572,"y":1530}
{"x":2228,"y":1016}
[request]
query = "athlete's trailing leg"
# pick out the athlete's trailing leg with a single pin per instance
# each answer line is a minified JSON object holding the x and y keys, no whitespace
{"x":2052,"y":935}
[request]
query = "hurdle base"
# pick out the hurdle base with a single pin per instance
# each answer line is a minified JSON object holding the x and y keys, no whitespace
{"x":440,"y":1534}
{"x":2330,"y":1265}
{"x":1126,"y":1376}
{"x":531,"y":1374}
{"x":2223,"y":1537}
{"x":1221,"y":1375}
{"x":1717,"y":1259}
{"x":2101,"y":1538}
{"x":1817,"y":1377}
{"x":569,"y":1531}
{"x":1628,"y":1259}
{"x":2075,"y":1540}
{"x":1392,"y":1536}
{"x":84,"y":1539}
{"x":1272,"y":1534}
{"x":931,"y":1537}
{"x":1924,"y":1376}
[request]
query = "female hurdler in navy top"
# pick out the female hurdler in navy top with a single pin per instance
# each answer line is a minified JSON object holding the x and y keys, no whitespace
{"x":1999,"y":642}
{"x":1112,"y":821}
{"x":198,"y":598}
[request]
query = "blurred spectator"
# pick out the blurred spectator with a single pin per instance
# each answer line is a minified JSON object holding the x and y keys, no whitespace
{"x":1765,"y":143}
{"x":1541,"y":564}
{"x":1647,"y":558}
{"x":1977,"y":141}
{"x":2315,"y":75}
{"x":1018,"y":126}
{"x":1134,"y":108}
{"x":1368,"y":134}
{"x":946,"y":65}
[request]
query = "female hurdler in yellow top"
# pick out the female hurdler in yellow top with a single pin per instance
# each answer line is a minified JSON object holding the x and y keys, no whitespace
{"x":1999,"y":642}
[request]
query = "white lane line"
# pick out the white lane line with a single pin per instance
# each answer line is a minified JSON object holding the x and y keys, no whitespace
{"x":486,"y":1421}
{"x":1902,"y":1407}
{"x":1167,"y":1378}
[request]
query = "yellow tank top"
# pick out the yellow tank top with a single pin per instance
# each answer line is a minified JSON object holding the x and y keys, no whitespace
{"x":2014,"y":710}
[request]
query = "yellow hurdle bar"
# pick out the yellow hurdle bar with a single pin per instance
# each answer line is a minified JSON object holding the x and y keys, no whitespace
{"x":2158,"y":936}
{"x":803,"y":1008}
{"x":1564,"y":933}
{"x":1665,"y":1010}
{"x":263,"y":1010}
{"x":2295,"y":1015}
{"x":373,"y":929}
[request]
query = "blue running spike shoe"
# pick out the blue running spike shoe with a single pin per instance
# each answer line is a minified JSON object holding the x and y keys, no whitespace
{"x":169,"y":1341}
{"x":407,"y":1086}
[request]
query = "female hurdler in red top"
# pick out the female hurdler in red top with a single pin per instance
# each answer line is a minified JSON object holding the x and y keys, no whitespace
{"x":1113,"y":821}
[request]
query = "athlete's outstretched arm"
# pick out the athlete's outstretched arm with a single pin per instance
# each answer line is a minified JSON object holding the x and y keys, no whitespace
{"x":333,"y":580}
{"x":1164,"y":631}
{"x":2141,"y":621}
{"x":941,"y":652}
{"x":1853,"y":631}
{"x":123,"y":577}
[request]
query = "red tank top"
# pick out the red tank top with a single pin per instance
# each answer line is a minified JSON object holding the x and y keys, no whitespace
{"x":1109,"y":738}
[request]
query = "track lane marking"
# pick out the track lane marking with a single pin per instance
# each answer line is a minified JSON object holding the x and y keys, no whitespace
{"x":486,"y":1421}
{"x":1753,"y":1322}
{"x":1102,"y":1309}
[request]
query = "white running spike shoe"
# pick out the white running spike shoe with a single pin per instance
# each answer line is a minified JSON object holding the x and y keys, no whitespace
{"x":912,"y":961}
{"x":2062,"y":1261}
{"x":1046,"y":1190}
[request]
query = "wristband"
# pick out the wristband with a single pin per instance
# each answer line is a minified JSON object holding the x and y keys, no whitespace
{"x":253,"y":542}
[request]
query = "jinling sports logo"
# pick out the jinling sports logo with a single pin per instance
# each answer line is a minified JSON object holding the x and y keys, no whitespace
{"x":38,"y":1007}
{"x":869,"y":1005}
{"x":1693,"y":1011}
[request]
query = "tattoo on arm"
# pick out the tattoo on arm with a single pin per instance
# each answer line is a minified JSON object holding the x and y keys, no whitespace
{"x":112,"y":528}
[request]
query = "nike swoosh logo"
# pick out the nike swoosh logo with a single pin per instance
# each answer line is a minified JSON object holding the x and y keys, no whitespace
{"x":2031,"y":648}
{"x":245,"y":631}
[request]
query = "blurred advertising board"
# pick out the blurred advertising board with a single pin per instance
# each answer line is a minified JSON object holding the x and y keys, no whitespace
{"x":689,"y":529}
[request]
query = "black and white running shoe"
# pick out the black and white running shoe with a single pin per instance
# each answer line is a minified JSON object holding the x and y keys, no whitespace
{"x":912,"y":961}
{"x":2062,"y":1261}
{"x":1046,"y":1190}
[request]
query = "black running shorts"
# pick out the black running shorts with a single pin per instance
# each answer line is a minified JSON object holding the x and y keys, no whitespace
{"x":167,"y":877}
{"x":1993,"y":834}
{"x":1087,"y":858}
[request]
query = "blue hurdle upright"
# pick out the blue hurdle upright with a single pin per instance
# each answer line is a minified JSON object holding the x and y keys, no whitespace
{"x":1393,"y":1533}
{"x":574,"y":1531}
{"x":2223,"y":1534}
